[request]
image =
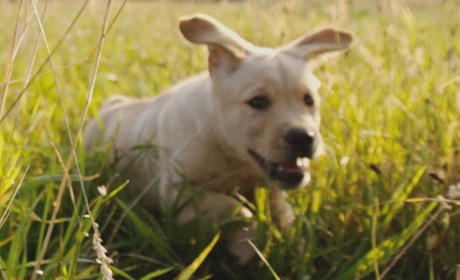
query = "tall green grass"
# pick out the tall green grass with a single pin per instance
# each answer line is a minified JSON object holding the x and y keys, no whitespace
{"x":378,"y":205}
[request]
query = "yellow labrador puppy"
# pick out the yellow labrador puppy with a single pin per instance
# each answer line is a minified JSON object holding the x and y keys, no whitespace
{"x":252,"y":119}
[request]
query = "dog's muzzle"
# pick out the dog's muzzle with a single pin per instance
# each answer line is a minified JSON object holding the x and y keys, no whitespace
{"x":289,"y":174}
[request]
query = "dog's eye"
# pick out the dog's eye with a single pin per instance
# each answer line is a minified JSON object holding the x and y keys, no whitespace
{"x":259,"y":102}
{"x":308,"y":99}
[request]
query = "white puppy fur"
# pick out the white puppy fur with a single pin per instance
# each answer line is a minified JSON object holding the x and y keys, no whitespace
{"x":252,"y":119}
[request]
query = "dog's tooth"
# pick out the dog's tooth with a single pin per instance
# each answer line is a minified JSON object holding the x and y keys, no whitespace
{"x":305,"y":161}
{"x":299,"y":162}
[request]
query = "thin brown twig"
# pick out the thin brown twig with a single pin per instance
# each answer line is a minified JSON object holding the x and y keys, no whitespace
{"x":57,"y":204}
{"x":57,"y":70}
{"x":58,"y":86}
{"x":117,"y":14}
{"x":103,"y":260}
{"x":88,"y":102}
{"x":65,"y":167}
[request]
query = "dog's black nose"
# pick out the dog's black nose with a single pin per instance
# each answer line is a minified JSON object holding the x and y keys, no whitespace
{"x":299,"y":137}
{"x":300,"y":141}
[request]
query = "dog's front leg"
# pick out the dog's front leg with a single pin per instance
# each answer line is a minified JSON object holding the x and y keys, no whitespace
{"x":214,"y":209}
{"x":281,"y":210}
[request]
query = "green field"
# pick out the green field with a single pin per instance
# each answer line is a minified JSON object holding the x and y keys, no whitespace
{"x":378,"y":206}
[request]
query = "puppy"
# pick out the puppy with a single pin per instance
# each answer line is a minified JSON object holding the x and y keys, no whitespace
{"x":252,"y":119}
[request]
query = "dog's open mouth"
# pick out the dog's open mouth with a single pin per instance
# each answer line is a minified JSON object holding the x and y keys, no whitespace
{"x":289,"y":174}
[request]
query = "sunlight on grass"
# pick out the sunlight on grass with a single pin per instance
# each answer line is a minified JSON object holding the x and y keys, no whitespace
{"x":375,"y":207}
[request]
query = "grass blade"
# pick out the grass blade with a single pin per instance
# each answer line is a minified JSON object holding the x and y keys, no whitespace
{"x":400,"y":195}
{"x":387,"y":249}
{"x":189,"y":270}
{"x":157,"y":273}
{"x":272,"y":271}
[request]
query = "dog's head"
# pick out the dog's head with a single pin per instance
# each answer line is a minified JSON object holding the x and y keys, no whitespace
{"x":266,"y":100}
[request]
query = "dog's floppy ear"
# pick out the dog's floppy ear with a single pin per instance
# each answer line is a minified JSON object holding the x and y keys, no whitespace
{"x":226,"y":48}
{"x":321,"y":42}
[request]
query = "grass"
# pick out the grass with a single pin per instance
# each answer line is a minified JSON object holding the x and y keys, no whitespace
{"x":378,"y":205}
